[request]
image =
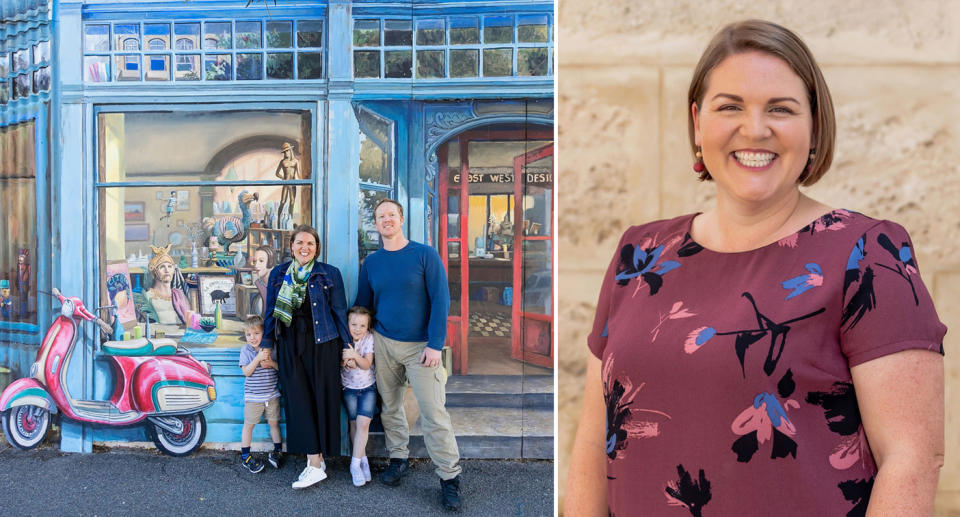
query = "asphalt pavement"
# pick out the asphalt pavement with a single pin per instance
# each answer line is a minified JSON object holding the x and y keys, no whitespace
{"x":144,"y":482}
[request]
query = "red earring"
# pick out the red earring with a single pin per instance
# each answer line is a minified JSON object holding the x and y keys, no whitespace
{"x":698,"y":166}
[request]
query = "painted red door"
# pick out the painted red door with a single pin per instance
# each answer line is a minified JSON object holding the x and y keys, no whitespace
{"x":533,"y":265}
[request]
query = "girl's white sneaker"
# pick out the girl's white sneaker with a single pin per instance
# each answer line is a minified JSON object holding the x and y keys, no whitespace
{"x":365,"y":465}
{"x":356,"y":472}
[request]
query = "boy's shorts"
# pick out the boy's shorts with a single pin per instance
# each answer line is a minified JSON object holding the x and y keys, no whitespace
{"x":252,"y":411}
{"x":362,"y":402}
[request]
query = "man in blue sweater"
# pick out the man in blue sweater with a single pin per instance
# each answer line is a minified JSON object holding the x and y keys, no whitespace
{"x":405,"y":285}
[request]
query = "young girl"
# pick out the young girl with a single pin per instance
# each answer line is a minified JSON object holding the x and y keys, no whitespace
{"x":359,"y":389}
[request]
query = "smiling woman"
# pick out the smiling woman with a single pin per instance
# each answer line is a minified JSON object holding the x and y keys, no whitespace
{"x":744,"y":352}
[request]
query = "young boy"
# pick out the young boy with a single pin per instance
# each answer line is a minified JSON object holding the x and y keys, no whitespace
{"x":359,"y":389}
{"x":260,"y":394}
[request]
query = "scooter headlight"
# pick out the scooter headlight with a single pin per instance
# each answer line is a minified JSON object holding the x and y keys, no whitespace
{"x":212,"y":392}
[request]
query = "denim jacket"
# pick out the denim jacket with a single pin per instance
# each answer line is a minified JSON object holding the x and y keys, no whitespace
{"x":328,"y":300}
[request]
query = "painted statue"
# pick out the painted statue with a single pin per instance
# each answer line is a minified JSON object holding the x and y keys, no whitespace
{"x":230,"y":229}
{"x":24,"y":276}
{"x":288,"y":169}
{"x":162,"y":302}
{"x":6,"y":303}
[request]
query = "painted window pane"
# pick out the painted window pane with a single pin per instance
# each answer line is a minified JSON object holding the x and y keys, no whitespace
{"x":96,"y":69}
{"x":497,"y":62}
{"x":157,"y":35}
{"x":532,"y":61}
{"x":41,"y":53}
{"x":453,"y":276}
{"x":187,"y":35}
{"x":217,"y":35}
{"x":218,"y":67}
{"x":248,"y":35}
{"x":453,"y":212}
{"x":369,"y":237}
{"x":532,"y":28}
{"x":4,"y":92}
{"x":310,"y":65}
{"x":158,"y":68}
{"x":430,"y":32}
{"x":398,"y":64}
{"x":41,"y":80}
{"x":397,"y":33}
{"x":366,"y":33}
{"x":22,"y":86}
{"x":249,"y":66}
{"x":537,"y":277}
{"x":464,"y":31}
{"x":430,"y":63}
{"x":376,"y":149}
{"x":127,"y":68}
{"x":21,"y":60}
{"x":18,"y":198}
{"x":366,"y":63}
{"x":279,"y":34}
{"x":280,"y":66}
{"x":4,"y":64}
{"x":188,"y":68}
{"x":96,"y":38}
{"x":310,"y":33}
{"x":463,"y":63}
{"x":498,"y":29}
{"x":126,"y":37}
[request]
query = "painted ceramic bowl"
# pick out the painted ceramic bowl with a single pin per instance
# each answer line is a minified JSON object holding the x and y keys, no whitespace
{"x":208,"y":324}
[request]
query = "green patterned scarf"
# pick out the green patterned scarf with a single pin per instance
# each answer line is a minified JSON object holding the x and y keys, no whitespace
{"x":293,"y":291}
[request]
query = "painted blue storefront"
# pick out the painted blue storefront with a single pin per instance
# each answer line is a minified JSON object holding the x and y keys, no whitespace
{"x":408,"y":96}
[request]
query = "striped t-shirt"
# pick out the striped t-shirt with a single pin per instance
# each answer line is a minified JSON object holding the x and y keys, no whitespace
{"x":261,"y":386}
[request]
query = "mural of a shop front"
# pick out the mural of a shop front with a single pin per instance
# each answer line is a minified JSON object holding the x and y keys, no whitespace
{"x":196,"y":135}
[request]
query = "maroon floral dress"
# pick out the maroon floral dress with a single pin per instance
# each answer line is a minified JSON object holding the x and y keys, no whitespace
{"x":726,"y":376}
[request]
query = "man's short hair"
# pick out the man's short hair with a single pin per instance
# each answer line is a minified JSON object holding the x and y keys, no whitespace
{"x":388,"y":200}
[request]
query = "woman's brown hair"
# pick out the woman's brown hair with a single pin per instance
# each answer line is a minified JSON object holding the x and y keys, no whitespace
{"x":770,"y":38}
{"x":306,"y":228}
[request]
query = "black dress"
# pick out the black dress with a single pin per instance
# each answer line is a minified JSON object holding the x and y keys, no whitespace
{"x":310,"y":384}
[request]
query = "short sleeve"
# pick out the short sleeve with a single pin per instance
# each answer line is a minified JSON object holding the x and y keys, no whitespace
{"x":597,"y":340}
{"x":886,"y":307}
{"x":245,"y":355}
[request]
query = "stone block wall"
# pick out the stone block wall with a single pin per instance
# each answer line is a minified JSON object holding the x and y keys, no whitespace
{"x":893,"y":67}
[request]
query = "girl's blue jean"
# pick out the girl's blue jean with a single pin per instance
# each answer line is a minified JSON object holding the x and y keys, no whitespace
{"x":362,"y":402}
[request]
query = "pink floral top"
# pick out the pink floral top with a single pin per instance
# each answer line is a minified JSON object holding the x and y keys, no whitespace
{"x":727,"y":375}
{"x":358,"y":378}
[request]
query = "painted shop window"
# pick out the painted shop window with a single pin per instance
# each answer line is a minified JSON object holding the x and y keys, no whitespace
{"x":194,"y":208}
{"x":454,"y":47}
{"x":243,"y":50}
{"x":376,"y":174}
{"x":18,"y":247}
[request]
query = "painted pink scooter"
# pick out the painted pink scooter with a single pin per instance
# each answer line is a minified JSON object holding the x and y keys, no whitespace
{"x":154,"y":380}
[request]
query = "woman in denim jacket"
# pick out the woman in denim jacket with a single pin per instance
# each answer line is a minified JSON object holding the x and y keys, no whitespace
{"x":305,"y":319}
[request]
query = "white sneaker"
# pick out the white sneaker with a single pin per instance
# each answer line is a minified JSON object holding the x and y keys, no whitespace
{"x":309,"y":477}
{"x":365,"y":465}
{"x":356,"y":472}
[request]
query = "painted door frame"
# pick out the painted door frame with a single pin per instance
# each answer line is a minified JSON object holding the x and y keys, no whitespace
{"x":458,"y":327}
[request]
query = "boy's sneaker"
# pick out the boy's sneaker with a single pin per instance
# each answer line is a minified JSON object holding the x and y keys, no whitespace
{"x":395,"y":471}
{"x":356,"y":472}
{"x":309,"y":476}
{"x":252,"y":464}
{"x":450,"y":494}
{"x":275,"y":458}
{"x":365,"y":465}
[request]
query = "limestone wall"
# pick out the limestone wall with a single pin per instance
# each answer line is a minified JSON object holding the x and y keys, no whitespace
{"x":893,"y":67}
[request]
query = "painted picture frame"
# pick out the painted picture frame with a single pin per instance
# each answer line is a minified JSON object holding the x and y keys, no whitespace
{"x":183,"y":200}
{"x":217,"y":287}
{"x":134,"y":211}
{"x":136,"y":232}
{"x":118,"y":289}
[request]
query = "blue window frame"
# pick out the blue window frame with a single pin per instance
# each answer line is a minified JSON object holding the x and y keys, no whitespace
{"x":438,"y":47}
{"x":204,"y":50}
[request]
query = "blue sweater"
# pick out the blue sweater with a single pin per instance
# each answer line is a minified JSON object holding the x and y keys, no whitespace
{"x":407,"y":291}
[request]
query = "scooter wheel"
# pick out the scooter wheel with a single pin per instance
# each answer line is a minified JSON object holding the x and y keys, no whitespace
{"x":184,"y":443}
{"x":25,"y":426}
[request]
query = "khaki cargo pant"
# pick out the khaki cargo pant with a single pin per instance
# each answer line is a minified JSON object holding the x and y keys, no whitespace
{"x":396,"y":362}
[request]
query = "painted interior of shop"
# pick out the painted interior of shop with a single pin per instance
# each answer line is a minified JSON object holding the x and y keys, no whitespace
{"x":204,"y":131}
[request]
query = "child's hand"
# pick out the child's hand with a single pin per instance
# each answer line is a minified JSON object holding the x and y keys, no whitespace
{"x":349,"y":364}
{"x":350,"y":353}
